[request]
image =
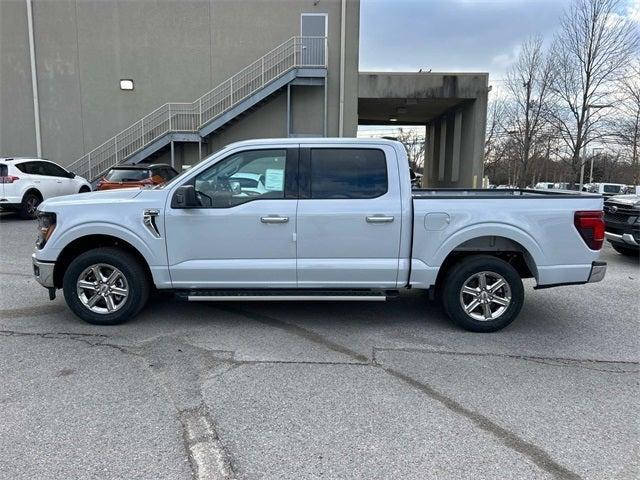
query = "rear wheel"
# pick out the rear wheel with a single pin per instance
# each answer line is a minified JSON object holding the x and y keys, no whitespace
{"x":483,"y":293}
{"x":105,"y":286}
{"x":84,"y":189}
{"x":29,"y":206}
{"x":628,"y":251}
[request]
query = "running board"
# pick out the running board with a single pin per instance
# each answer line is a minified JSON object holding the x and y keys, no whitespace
{"x":284,"y":295}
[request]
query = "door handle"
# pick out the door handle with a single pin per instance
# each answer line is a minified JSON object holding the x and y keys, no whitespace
{"x":380,"y":219}
{"x":274,"y":219}
{"x":58,"y":181}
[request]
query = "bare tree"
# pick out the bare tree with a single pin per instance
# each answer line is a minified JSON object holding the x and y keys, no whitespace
{"x":493,"y":135}
{"x":590,"y":52}
{"x":528,"y":109}
{"x":415,"y":145}
{"x":629,"y":120}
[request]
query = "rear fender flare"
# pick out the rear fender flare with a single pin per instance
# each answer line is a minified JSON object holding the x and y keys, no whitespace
{"x":487,"y":230}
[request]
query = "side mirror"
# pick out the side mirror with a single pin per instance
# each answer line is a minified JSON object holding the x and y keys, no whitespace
{"x":185,"y":197}
{"x":71,"y":175}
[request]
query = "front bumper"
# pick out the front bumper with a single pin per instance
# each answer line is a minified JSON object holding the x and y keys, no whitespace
{"x":625,"y":238}
{"x":43,"y":271}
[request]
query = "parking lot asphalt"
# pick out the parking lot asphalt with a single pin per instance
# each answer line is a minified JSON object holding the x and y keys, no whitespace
{"x":318,"y":390}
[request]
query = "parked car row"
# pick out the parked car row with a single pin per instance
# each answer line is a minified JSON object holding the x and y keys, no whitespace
{"x":27,"y":182}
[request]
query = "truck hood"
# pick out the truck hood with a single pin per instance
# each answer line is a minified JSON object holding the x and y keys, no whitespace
{"x":91,"y":198}
{"x":631,"y":200}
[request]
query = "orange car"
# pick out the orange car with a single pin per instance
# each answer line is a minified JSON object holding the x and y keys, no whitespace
{"x":136,"y":176}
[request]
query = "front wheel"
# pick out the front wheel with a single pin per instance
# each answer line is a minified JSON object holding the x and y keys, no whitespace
{"x":483,"y":293}
{"x":105,"y":286}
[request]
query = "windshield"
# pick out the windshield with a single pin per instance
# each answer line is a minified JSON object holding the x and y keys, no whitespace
{"x":127,"y":175}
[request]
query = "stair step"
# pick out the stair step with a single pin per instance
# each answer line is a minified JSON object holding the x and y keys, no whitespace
{"x":226,"y":295}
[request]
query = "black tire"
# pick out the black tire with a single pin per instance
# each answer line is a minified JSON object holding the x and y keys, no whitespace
{"x":84,"y":189}
{"x":627,"y":251}
{"x":29,"y":206}
{"x":133,"y":271}
{"x":466,"y":271}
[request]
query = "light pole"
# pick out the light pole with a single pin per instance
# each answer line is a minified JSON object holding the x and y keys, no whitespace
{"x":593,"y":154}
{"x":584,"y":143}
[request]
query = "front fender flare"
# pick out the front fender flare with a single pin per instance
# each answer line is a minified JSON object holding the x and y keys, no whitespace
{"x":110,"y":229}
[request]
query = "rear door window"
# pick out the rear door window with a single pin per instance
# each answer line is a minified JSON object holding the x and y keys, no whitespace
{"x":348,"y":173}
{"x":25,"y":167}
{"x":4,"y":170}
{"x":53,"y":170}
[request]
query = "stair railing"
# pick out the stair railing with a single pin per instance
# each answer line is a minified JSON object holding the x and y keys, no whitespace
{"x":297,"y":52}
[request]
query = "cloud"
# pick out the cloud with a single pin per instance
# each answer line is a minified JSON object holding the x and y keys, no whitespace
{"x":459,"y":35}
{"x":633,"y":10}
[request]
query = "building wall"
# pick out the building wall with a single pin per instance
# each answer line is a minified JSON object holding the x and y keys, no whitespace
{"x":174,"y":51}
{"x":17,"y":131}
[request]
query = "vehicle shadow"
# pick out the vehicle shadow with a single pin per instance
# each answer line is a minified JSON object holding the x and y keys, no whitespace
{"x":10,"y":217}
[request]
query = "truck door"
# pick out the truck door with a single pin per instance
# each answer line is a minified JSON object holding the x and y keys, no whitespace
{"x":240,"y":236}
{"x":349,"y":217}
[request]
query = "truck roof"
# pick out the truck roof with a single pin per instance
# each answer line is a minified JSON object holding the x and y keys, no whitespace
{"x":314,"y":140}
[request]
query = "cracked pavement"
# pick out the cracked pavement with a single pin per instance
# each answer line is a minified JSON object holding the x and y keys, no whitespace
{"x":318,"y":390}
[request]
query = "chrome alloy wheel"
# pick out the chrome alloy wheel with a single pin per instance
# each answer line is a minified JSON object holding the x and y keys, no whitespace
{"x":485,"y":296}
{"x":32,"y":205}
{"x":102,"y":288}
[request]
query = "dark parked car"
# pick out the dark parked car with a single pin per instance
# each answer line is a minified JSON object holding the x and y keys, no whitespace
{"x":622,"y":223}
{"x":136,"y":176}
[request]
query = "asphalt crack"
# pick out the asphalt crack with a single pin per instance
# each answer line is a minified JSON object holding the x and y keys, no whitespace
{"x":181,"y":368}
{"x":587,"y":364}
{"x":509,"y":439}
{"x":298,"y":331}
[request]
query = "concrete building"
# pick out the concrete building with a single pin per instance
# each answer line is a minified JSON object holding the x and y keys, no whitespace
{"x":91,"y":83}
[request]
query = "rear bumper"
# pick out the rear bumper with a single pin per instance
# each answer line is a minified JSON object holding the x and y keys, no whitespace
{"x":596,"y":274}
{"x":43,"y":271}
{"x":598,"y":271}
{"x":10,"y":203}
{"x":625,"y":238}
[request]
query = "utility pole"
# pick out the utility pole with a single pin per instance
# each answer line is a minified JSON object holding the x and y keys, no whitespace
{"x":593,"y":154}
{"x":585,"y":141}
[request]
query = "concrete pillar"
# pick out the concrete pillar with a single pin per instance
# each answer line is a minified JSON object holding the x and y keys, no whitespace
{"x":455,"y":158}
{"x":443,"y":149}
{"x":429,"y":155}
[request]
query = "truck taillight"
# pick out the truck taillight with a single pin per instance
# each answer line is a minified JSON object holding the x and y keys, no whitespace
{"x":8,"y":179}
{"x":590,"y":226}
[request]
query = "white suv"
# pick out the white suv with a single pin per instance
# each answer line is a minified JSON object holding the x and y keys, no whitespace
{"x":25,"y":182}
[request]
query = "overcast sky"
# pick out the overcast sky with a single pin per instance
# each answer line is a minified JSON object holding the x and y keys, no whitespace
{"x":453,"y":35}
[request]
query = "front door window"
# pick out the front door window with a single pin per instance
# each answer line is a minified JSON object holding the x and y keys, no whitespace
{"x":241,"y":178}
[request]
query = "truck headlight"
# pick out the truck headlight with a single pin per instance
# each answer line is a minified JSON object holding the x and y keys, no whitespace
{"x":46,"y":226}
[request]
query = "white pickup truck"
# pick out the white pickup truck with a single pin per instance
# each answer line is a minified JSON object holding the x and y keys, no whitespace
{"x":333,"y":219}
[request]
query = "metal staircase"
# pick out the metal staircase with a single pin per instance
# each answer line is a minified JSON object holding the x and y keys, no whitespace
{"x":297,"y":57}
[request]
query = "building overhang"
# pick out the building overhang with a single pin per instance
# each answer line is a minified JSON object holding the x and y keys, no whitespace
{"x":405,"y":98}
